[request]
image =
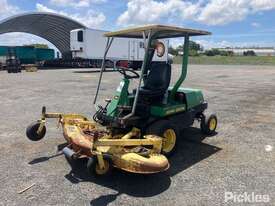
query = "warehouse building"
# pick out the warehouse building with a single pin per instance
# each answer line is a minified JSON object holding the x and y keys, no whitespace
{"x":53,"y":27}
{"x":259,"y":51}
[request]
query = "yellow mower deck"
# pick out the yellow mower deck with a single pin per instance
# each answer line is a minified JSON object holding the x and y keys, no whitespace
{"x":129,"y":152}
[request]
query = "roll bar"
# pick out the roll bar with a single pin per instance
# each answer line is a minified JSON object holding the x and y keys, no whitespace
{"x":108,"y":45}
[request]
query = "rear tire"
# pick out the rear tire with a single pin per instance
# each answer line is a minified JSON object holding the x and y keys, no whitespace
{"x":209,"y":124}
{"x":168,"y":132}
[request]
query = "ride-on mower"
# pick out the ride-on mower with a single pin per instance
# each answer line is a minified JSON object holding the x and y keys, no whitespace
{"x":136,"y":130}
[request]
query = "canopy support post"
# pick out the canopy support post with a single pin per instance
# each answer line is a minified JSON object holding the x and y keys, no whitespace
{"x":184,"y":68}
{"x":108,"y":45}
{"x":144,"y":63}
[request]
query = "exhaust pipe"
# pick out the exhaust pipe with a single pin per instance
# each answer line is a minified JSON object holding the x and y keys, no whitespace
{"x":68,"y":152}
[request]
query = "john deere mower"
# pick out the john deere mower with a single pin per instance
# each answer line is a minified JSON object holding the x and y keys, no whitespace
{"x":136,"y":130}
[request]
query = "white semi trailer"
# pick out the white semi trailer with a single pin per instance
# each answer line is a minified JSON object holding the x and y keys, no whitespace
{"x":88,"y":45}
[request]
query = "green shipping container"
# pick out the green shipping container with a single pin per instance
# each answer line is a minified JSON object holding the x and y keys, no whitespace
{"x":44,"y":54}
{"x":3,"y":50}
{"x":26,"y":54}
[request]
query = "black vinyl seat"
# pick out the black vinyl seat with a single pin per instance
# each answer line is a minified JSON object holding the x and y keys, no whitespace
{"x":157,"y":81}
{"x":155,"y":86}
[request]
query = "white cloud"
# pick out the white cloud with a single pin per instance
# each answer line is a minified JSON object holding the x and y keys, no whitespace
{"x":210,"y":12}
{"x":42,"y":8}
{"x":90,"y":18}
{"x":218,"y":12}
{"x":262,"y":4}
{"x":75,"y":3}
{"x":148,"y":11}
{"x":208,"y":44}
{"x":7,"y":9}
{"x":256,"y":24}
{"x":71,"y":3}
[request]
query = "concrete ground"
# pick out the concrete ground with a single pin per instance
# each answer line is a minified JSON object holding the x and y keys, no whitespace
{"x":239,"y":159}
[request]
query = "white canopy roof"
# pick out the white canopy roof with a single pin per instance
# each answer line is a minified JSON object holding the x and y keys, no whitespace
{"x":162,"y":31}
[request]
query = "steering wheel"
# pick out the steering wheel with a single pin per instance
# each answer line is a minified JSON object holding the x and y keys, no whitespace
{"x":124,"y":70}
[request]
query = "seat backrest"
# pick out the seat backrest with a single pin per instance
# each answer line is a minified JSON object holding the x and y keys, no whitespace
{"x":159,"y":77}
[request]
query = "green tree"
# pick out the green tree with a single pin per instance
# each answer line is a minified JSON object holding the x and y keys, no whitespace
{"x":193,"y":53}
{"x":249,"y":53}
{"x":226,"y":53}
{"x":209,"y":53}
{"x":193,"y":49}
{"x":194,"y":46}
{"x":172,"y":51}
{"x":213,"y":52}
{"x":41,"y":46}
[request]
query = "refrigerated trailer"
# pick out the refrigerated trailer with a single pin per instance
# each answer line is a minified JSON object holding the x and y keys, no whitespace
{"x":87,"y":45}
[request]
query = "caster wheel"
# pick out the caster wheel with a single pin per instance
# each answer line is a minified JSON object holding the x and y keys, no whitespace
{"x":32,"y":133}
{"x":94,"y":168}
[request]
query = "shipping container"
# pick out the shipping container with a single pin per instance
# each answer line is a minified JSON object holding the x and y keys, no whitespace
{"x":44,"y":54}
{"x":3,"y":54}
{"x":3,"y":50}
{"x":26,"y":54}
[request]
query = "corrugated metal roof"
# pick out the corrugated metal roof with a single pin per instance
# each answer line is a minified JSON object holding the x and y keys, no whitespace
{"x":53,"y":27}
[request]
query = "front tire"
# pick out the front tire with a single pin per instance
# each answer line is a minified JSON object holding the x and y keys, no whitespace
{"x":209,"y":124}
{"x":169,"y":134}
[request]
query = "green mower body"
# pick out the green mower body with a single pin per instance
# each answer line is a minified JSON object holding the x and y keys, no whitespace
{"x":135,"y":129}
{"x":154,"y":107}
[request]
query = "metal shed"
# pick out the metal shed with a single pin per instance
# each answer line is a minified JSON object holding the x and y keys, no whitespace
{"x":53,"y":27}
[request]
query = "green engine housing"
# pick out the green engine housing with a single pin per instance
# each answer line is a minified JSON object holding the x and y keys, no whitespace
{"x":190,"y":98}
{"x":194,"y":97}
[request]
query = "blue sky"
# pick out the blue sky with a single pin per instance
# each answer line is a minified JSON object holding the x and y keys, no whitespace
{"x":232,"y":22}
